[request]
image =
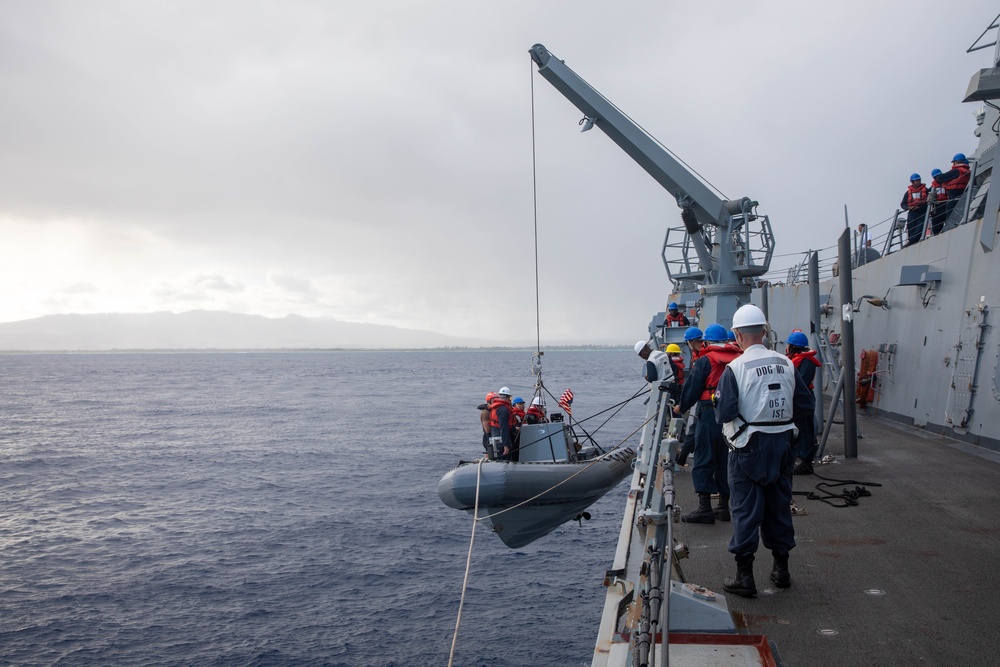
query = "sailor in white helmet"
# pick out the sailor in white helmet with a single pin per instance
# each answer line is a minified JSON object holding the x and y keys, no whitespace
{"x":659,"y":369}
{"x":758,"y":395}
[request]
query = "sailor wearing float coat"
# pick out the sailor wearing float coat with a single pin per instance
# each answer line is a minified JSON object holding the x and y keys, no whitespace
{"x":759,"y":392}
{"x":658,"y":371}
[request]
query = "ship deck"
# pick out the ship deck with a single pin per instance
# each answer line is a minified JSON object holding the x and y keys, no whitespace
{"x":911,"y":575}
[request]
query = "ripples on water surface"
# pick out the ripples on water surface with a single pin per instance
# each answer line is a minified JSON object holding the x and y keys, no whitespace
{"x":281,"y":509}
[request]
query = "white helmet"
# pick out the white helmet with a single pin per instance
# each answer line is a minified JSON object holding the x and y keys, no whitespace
{"x":504,"y":391}
{"x":537,"y":400}
{"x":749,"y":316}
{"x":639,"y":346}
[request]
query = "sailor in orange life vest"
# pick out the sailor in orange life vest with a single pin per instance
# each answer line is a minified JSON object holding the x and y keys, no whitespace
{"x":677,"y":365}
{"x":759,"y":394}
{"x":536,"y":413}
{"x":484,"y":418}
{"x":517,"y":411}
{"x":693,"y":337}
{"x":502,"y":422}
{"x":955,"y":180}
{"x":710,"y":450}
{"x":939,"y":203}
{"x":674,"y":317}
{"x":915,"y":204}
{"x":805,"y":362}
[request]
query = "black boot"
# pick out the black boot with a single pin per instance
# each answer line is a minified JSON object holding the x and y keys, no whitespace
{"x":722,"y":509}
{"x":779,"y":573}
{"x":682,"y":457}
{"x":743,"y":584}
{"x":704,"y":513}
{"x":803,"y":468}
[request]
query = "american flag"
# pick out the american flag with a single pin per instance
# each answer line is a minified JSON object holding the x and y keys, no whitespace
{"x":566,"y":401}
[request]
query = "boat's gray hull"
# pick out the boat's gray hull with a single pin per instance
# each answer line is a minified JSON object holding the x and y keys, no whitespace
{"x":566,"y":489}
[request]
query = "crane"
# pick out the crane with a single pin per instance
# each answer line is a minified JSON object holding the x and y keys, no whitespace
{"x":721,"y":246}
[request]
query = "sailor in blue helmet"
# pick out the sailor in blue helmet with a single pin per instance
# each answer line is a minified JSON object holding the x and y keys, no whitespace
{"x":914,"y":202}
{"x":805,"y":362}
{"x":759,"y":394}
{"x":675,"y":318}
{"x":939,"y":203}
{"x":693,"y":338}
{"x":710,"y":450}
{"x":955,"y":180}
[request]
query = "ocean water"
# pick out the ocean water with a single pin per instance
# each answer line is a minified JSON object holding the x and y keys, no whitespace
{"x":282,"y":509}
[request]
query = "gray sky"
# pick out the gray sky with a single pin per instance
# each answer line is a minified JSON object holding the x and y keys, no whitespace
{"x":372,"y":161}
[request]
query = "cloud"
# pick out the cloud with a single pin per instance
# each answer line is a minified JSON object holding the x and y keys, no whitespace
{"x":392,"y":162}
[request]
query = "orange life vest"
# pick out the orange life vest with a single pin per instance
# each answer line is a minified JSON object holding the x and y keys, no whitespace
{"x":960,"y":182}
{"x":799,"y":358}
{"x":719,"y":356}
{"x":494,"y":419}
{"x":916,"y":196}
{"x":938,"y":192}
{"x":678,"y":366}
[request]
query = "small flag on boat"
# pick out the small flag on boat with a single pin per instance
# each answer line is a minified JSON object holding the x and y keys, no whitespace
{"x":566,"y":401}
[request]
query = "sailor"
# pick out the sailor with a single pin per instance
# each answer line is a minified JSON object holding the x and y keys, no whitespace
{"x":517,"y":407}
{"x":939,"y":203}
{"x":914,"y":202}
{"x":693,"y":339}
{"x":517,"y":410}
{"x":864,"y":240}
{"x":805,"y":362}
{"x":674,"y":317}
{"x":502,"y":423}
{"x":677,"y":359}
{"x":759,"y":394}
{"x":710,"y":451}
{"x":484,"y":418}
{"x":955,"y":180}
{"x":658,"y":368}
{"x":536,"y":413}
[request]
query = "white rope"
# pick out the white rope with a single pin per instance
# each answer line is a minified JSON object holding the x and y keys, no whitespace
{"x":468,"y":562}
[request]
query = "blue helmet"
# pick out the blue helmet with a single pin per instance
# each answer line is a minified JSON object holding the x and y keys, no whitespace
{"x":914,"y":177}
{"x":798,"y":339}
{"x":517,"y":400}
{"x":960,"y":157}
{"x":672,"y":306}
{"x":716,"y":333}
{"x":935,"y":172}
{"x":693,"y":333}
{"x":731,"y":335}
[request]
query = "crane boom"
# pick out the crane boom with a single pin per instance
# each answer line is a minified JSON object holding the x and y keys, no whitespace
{"x":729,"y":253}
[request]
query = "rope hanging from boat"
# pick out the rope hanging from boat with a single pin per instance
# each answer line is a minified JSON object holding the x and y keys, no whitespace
{"x":468,"y":563}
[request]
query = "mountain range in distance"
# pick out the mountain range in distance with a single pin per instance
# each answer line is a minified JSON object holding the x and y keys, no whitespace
{"x":210,"y":330}
{"x":218,"y":330}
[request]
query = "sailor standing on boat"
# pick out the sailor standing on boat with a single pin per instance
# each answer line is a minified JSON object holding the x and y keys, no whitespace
{"x":501,"y":423}
{"x":759,"y":394}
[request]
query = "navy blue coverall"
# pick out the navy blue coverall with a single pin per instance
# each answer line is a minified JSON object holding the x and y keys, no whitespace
{"x":760,"y":477}
{"x":710,"y":448}
{"x":804,"y":444}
